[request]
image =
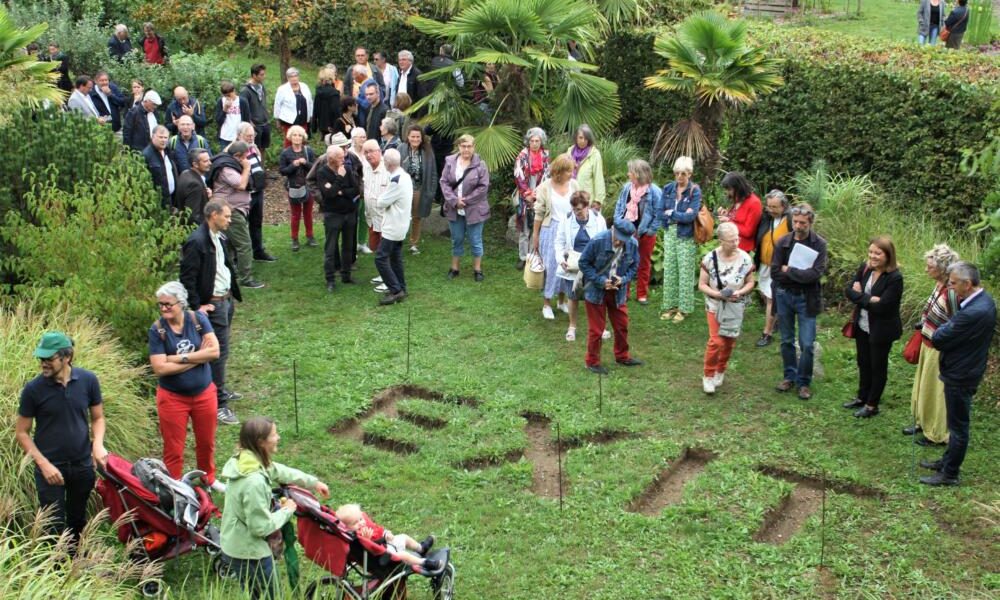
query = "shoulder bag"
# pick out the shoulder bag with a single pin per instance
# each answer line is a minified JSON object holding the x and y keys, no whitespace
{"x":848,"y":329}
{"x":946,"y":33}
{"x":704,"y":225}
{"x":729,"y":314}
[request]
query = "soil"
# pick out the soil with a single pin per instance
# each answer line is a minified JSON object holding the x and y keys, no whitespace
{"x":668,"y":487}
{"x":385,"y":403}
{"x":545,"y":458}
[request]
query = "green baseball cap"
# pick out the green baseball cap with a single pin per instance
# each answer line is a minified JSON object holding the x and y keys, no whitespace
{"x":52,"y":342}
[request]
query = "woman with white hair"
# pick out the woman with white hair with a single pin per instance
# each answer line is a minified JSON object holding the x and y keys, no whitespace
{"x":681,"y":203}
{"x":531,"y":168}
{"x":389,"y":129}
{"x":293,"y":104}
{"x":182,"y":343}
{"x":294,"y":163}
{"x":927,"y":398}
{"x":726,"y":279}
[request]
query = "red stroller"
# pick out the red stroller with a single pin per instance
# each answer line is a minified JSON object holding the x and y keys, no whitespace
{"x":170,"y":521}
{"x":360,"y":568}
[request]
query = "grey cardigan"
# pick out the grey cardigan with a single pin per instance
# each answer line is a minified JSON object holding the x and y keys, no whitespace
{"x":924,"y":17}
{"x":428,"y":178}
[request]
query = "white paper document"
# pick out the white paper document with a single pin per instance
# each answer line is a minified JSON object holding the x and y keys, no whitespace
{"x":802,"y":257}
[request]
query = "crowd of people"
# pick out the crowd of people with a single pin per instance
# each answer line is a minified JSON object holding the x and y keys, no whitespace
{"x":376,"y":180}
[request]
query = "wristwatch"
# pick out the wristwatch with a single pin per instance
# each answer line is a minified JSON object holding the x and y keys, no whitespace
{"x":184,"y":359}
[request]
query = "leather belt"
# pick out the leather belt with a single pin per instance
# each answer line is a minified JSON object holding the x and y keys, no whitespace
{"x":225,"y":296}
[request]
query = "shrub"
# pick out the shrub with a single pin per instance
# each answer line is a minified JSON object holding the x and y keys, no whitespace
{"x":83,"y":40}
{"x":130,"y":426}
{"x":100,"y":243}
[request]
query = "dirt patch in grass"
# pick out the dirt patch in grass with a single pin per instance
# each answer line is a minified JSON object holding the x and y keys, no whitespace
{"x":544,"y":457}
{"x":423,"y":421}
{"x":483,"y":462}
{"x":668,"y":487}
{"x":826,"y":583}
{"x":397,"y":446}
{"x":385,"y":403}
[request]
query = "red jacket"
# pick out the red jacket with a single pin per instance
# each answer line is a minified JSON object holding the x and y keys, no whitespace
{"x":746,"y":217}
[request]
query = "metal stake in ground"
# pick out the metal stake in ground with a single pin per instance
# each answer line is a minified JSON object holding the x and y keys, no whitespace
{"x":409,"y":321}
{"x":822,"y":526}
{"x":295,"y":392}
{"x":559,"y":462}
{"x":600,"y":394}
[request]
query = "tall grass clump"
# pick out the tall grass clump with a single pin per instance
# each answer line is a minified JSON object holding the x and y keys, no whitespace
{"x":34,"y":564}
{"x":130,"y":426}
{"x":980,"y":22}
{"x":851,"y":211}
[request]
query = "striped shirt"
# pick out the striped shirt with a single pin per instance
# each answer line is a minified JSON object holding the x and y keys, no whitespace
{"x":941,"y":305}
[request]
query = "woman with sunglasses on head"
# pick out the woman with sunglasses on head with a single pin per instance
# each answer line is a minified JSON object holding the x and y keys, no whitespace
{"x":182,"y":343}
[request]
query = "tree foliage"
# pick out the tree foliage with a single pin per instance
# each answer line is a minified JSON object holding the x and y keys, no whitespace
{"x":24,"y":80}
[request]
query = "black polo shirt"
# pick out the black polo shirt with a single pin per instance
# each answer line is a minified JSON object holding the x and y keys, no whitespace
{"x":62,"y":414}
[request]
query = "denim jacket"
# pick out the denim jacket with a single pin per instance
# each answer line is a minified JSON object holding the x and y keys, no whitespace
{"x":595,"y":259}
{"x":650,"y":207}
{"x":684,"y":221}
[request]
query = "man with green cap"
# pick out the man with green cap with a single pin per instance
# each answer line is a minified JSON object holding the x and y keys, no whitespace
{"x":58,"y":402}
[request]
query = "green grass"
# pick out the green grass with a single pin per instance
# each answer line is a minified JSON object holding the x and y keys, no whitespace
{"x":488,"y":341}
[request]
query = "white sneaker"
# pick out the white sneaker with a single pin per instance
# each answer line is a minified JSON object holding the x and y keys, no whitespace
{"x":606,"y":335}
{"x":547,"y":313}
{"x":718,"y":379}
{"x":564,"y":307}
{"x":708,"y":384}
{"x":364,"y":249}
{"x":376,"y":280}
{"x":571,"y":334}
{"x":414,"y":250}
{"x":218,"y":486}
{"x":381,"y":288}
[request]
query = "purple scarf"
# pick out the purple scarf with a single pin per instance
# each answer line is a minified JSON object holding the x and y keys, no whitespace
{"x":578,"y":156}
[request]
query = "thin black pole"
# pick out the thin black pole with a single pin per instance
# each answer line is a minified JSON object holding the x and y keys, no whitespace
{"x":822,"y":531}
{"x":295,"y":392}
{"x":559,"y":459}
{"x":600,"y":394}
{"x":409,"y":320}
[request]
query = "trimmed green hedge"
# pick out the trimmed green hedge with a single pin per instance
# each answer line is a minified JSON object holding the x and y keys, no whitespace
{"x":899,"y":112}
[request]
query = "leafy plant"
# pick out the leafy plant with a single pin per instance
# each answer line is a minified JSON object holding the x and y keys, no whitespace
{"x":25,"y":81}
{"x":709,"y":58}
{"x":980,"y":22}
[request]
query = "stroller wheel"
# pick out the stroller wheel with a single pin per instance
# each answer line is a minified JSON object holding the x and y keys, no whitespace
{"x":220,"y":566}
{"x":330,"y":588}
{"x":443,"y":585}
{"x":152,"y":588}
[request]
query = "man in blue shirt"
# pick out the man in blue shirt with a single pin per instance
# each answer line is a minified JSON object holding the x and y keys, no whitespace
{"x":58,"y":402}
{"x":609,"y":263}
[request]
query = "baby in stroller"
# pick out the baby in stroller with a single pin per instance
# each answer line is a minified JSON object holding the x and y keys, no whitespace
{"x":409,"y":550}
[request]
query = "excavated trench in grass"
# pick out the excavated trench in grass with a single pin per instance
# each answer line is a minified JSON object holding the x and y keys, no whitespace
{"x":668,"y":487}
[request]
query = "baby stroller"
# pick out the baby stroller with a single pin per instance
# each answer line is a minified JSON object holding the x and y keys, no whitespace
{"x":171,"y":517}
{"x":360,"y":568}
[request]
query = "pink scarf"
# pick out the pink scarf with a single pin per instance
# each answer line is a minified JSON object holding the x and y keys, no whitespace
{"x":635,"y":194}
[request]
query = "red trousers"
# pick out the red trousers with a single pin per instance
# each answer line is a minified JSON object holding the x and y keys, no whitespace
{"x":303,"y":211}
{"x":646,"y":245}
{"x":374,"y":238}
{"x":718,"y":349}
{"x":596,"y":323}
{"x":174,"y":411}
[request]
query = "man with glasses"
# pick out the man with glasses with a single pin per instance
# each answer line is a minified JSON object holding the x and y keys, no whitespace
{"x":209,"y":276}
{"x":796,"y":291}
{"x":58,"y":403}
{"x":964,"y":343}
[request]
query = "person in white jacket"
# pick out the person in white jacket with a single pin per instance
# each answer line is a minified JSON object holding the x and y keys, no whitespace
{"x":570,"y":240}
{"x":293,"y":104}
{"x":394,"y":203}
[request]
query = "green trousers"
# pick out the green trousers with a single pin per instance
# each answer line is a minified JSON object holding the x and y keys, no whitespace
{"x":679,"y":272}
{"x":239,"y":234}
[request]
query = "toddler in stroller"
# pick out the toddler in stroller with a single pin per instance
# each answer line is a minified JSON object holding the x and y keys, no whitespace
{"x":362,"y":525}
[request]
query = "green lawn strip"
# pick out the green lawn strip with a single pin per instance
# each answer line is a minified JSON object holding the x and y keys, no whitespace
{"x":488,"y":342}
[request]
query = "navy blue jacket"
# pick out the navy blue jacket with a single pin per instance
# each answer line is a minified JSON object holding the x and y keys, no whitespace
{"x":650,"y":209}
{"x":964,"y":341}
{"x":683,"y":220}
{"x":198,"y":116}
{"x":596,"y":257}
{"x":135,"y":129}
{"x":157,"y":168}
{"x":116,"y":100}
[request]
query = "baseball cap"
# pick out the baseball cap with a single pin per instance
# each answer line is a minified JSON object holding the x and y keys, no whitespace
{"x":52,"y":342}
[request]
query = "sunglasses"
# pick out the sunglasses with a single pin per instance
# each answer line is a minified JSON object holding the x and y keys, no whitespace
{"x":799,"y":211}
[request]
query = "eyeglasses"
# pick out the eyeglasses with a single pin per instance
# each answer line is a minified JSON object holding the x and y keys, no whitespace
{"x":50,"y":359}
{"x":167,"y":305}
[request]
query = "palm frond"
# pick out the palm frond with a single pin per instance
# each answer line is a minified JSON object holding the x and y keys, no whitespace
{"x":547,"y":62}
{"x":587,"y":99}
{"x":684,"y":138}
{"x":623,"y":14}
{"x":496,"y":144}
{"x":500,"y":58}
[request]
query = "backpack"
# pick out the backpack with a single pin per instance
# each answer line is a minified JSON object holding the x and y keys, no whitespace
{"x":704,"y":225}
{"x":161,"y":324}
{"x":145,"y":470}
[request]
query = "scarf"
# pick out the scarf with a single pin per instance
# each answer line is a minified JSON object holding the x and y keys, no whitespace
{"x":635,"y":194}
{"x":578,"y":155}
{"x":536,"y":162}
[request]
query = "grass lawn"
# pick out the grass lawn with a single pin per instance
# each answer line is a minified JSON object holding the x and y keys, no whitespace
{"x":754,"y":455}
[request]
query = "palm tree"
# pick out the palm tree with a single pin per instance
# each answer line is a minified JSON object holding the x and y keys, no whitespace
{"x":24,"y":80}
{"x":709,"y":58}
{"x":538,"y":83}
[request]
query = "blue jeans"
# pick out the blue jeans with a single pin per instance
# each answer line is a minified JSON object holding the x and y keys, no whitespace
{"x":460,"y":230}
{"x":389,"y":262}
{"x":958,"y":401}
{"x":931,"y":37}
{"x":221,"y":319}
{"x":256,"y":576}
{"x":791,"y":307}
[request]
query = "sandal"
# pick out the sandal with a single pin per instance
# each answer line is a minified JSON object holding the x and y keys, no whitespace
{"x":679,"y":317}
{"x":668,"y":314}
{"x":571,"y":334}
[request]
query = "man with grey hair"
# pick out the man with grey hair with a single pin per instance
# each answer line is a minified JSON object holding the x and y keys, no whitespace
{"x":229,"y":179}
{"x":375,"y":180}
{"x":161,"y":166}
{"x":193,"y":192}
{"x":964,"y":344}
{"x":394,"y":203}
{"x":338,"y":188}
{"x":120,"y":44}
{"x":409,"y":82}
{"x":140,"y":121}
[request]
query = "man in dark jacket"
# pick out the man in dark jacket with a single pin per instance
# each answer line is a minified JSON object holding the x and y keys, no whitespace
{"x":120,"y":43}
{"x":193,"y":192}
{"x":108,"y":99}
{"x":140,"y":121}
{"x":409,"y":74}
{"x":796,"y":289}
{"x":444,"y":59}
{"x":208,"y":274}
{"x":377,"y":110}
{"x":256,"y":97}
{"x":183,"y":104}
{"x":964,"y":343}
{"x":161,"y":166}
{"x":62,"y":67}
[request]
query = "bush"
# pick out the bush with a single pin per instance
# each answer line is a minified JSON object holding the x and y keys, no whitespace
{"x":130,"y":426}
{"x":83,"y":40}
{"x":99,"y":243}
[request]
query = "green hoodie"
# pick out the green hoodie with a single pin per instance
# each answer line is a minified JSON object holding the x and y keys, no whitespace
{"x":247,"y":519}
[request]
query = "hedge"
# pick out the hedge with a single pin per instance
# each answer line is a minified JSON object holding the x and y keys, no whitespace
{"x":902,"y":113}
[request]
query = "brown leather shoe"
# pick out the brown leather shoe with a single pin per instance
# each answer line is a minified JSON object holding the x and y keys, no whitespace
{"x":805,"y":393}
{"x":785,"y":385}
